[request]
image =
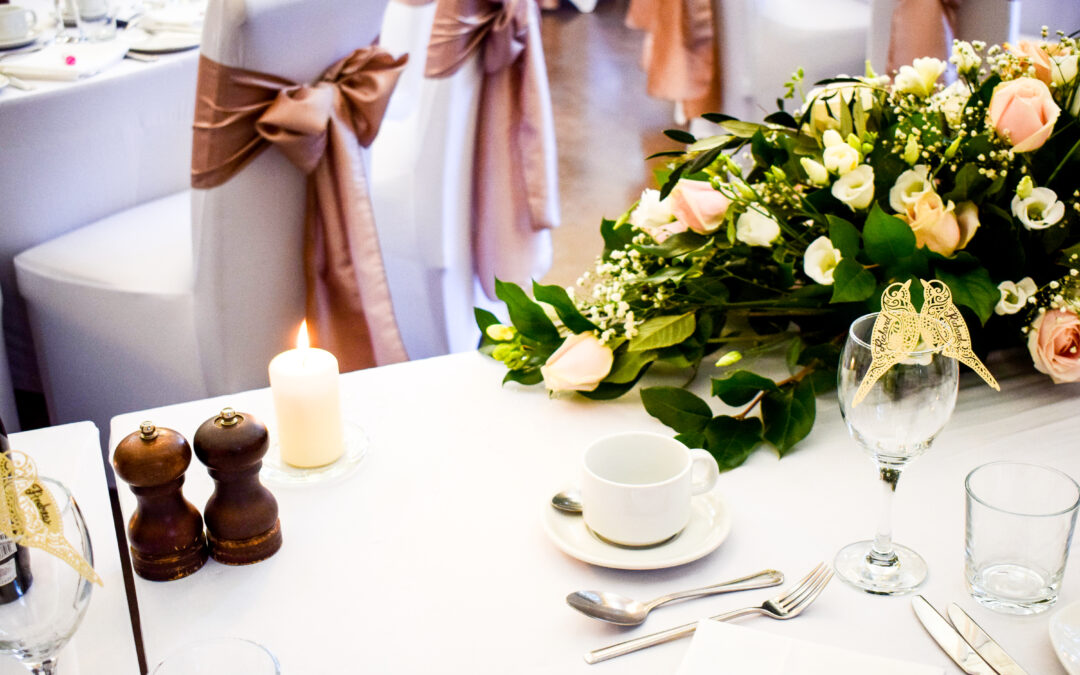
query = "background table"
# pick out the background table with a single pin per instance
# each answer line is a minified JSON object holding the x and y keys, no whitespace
{"x":104,"y":642}
{"x":432,"y":556}
{"x":74,"y":152}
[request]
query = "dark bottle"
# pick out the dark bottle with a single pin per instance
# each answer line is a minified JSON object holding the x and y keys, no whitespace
{"x":15,"y":577}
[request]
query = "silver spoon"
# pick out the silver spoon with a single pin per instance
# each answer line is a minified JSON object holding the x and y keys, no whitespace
{"x":567,"y":500}
{"x":618,"y":609}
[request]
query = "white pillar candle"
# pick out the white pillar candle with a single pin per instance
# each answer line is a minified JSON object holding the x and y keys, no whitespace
{"x":304,"y":383}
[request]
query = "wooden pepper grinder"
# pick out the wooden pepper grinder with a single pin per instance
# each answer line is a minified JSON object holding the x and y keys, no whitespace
{"x":166,"y":531}
{"x":242,"y":522}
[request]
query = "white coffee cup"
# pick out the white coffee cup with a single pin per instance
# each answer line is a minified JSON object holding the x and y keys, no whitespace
{"x":636,"y":486}
{"x":16,"y":22}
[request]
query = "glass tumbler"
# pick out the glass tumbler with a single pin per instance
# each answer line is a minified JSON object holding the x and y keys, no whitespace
{"x":1019,"y":523}
{"x":220,"y":656}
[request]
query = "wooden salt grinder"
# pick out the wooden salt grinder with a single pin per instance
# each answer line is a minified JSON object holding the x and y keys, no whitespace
{"x":242,"y":522}
{"x":166,"y":531}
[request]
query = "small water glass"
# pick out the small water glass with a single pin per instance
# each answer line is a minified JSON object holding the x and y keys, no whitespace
{"x":220,"y":656}
{"x":1020,"y":521}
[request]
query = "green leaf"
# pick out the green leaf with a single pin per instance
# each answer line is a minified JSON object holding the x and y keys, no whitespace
{"x":527,"y":316}
{"x":793,"y":352}
{"x":557,"y":297}
{"x":852,"y":282}
{"x":677,"y":408}
{"x":742,"y":129}
{"x":680,"y":136}
{"x":662,"y":331}
{"x":672,"y":179}
{"x":740,"y":387}
{"x":887,"y":238}
{"x":484,"y":319}
{"x":788,"y":415}
{"x":531,"y":376}
{"x":732,"y":440}
{"x":973,"y":289}
{"x":628,"y":365}
{"x":616,"y":236}
{"x":844,"y":237}
{"x":675,"y":246}
{"x":708,"y":143}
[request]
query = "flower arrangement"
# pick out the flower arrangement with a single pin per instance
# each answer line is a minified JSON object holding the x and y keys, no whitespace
{"x":777,"y":235}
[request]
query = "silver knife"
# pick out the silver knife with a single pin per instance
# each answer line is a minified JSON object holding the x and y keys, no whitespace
{"x":949,"y":640}
{"x":983,"y":643}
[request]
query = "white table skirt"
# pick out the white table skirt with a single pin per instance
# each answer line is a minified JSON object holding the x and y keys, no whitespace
{"x":74,"y":152}
{"x":432,"y":557}
{"x":104,"y":643}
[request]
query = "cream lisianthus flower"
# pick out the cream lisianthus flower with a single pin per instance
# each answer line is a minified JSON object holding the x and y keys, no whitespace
{"x":909,"y":186}
{"x":1014,"y":295}
{"x":964,"y":57}
{"x":817,"y":173}
{"x":951,"y":101}
{"x":839,"y":157}
{"x":820,"y":261}
{"x":824,"y":104}
{"x":856,"y":189}
{"x":1039,"y":210}
{"x":756,"y":229}
{"x":919,"y":77}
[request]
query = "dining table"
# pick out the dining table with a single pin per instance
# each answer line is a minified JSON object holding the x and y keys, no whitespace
{"x":77,"y":151}
{"x":105,"y":641}
{"x":436,"y":549}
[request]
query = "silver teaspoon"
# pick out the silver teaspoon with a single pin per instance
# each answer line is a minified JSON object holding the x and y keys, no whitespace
{"x":567,"y":500}
{"x":618,"y":609}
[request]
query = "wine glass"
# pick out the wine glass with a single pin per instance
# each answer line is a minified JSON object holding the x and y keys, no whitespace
{"x":895,"y":423}
{"x":36,"y":626}
{"x":64,"y":34}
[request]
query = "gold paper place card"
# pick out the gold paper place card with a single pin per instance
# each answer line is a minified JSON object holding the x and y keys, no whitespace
{"x":899,"y":330}
{"x":30,"y":515}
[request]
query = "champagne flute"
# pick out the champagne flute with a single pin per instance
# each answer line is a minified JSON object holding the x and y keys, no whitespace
{"x":36,"y":626}
{"x":895,"y":423}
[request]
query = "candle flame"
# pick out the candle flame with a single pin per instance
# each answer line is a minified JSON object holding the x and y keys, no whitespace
{"x":302,"y":340}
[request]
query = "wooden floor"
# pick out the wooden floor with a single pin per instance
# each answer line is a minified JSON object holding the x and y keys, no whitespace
{"x":605,"y":126}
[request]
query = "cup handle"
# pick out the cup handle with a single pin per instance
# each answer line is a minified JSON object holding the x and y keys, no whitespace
{"x":32,"y":20}
{"x":705,"y":471}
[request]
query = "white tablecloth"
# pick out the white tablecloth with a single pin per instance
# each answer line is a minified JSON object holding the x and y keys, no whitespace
{"x":104,"y":642}
{"x":432,"y":557}
{"x":73,"y":152}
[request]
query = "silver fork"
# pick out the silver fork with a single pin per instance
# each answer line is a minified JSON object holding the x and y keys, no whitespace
{"x":787,"y":605}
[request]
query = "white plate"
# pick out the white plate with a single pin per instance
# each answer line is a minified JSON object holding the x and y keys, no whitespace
{"x":275,"y":472}
{"x":710,"y":523}
{"x":15,"y":43}
{"x":163,"y":42}
{"x":4,"y":82}
{"x":1065,"y":636}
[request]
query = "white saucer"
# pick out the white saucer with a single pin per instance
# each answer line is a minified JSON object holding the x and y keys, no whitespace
{"x":710,"y":523}
{"x":1065,"y":636}
{"x":163,"y":42}
{"x":276,"y":472}
{"x":15,"y":43}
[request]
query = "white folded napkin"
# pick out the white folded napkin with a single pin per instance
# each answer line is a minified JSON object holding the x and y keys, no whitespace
{"x":178,"y":18}
{"x":723,"y":647}
{"x":65,"y":62}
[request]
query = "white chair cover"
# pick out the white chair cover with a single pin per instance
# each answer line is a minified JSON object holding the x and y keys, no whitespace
{"x":191,"y":296}
{"x":422,"y":173}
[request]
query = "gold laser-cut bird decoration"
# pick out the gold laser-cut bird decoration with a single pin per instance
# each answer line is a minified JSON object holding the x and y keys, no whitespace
{"x":899,"y":327}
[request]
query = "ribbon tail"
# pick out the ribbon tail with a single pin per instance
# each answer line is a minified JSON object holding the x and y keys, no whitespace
{"x":348,"y":298}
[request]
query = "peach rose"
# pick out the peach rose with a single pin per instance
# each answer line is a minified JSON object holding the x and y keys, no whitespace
{"x":579,"y":364}
{"x":1023,"y":112}
{"x":1037,"y":55}
{"x":698,"y":205}
{"x":936,"y":225}
{"x":1054,"y":343}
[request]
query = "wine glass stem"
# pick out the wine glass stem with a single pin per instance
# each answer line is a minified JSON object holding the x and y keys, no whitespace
{"x":881,"y":553}
{"x":45,"y":667}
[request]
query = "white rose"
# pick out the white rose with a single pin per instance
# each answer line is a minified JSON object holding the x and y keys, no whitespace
{"x":856,"y":189}
{"x":1063,"y":69}
{"x":655,"y":217}
{"x":1014,"y":295}
{"x":1039,"y":210}
{"x":909,"y":186}
{"x":841,"y":158}
{"x":919,"y":77}
{"x":820,"y":261}
{"x":817,"y":173}
{"x":756,"y":228}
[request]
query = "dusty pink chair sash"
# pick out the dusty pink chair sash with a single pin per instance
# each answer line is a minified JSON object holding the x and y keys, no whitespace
{"x":918,"y":29}
{"x":320,"y":128}
{"x":515,"y":192}
{"x":680,"y":57}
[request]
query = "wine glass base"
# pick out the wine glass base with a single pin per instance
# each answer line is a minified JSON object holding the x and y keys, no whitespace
{"x":905,"y":576}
